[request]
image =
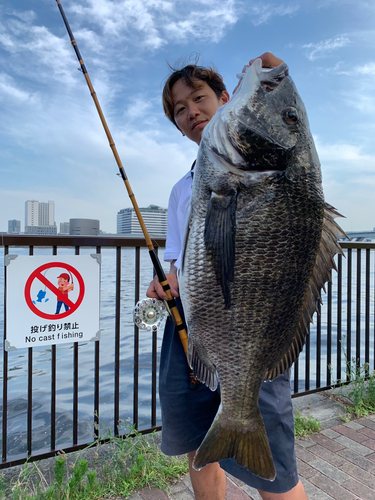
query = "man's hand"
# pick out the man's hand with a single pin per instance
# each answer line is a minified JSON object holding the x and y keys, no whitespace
{"x":155,"y":290}
{"x":268,"y":61}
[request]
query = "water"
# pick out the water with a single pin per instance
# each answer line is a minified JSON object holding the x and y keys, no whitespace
{"x":339,"y":348}
{"x":18,"y":360}
{"x":18,"y":364}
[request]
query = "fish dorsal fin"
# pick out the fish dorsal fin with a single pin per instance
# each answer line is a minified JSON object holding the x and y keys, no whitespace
{"x":328,"y":248}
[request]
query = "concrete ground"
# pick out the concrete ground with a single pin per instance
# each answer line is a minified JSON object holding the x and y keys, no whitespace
{"x":337,"y":463}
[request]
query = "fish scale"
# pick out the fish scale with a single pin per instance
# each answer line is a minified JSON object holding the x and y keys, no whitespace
{"x":258,"y":247}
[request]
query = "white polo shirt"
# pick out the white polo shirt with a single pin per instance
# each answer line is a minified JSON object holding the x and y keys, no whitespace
{"x":178,"y":212}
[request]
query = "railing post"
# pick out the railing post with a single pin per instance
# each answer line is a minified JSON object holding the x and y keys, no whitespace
{"x":349,"y":316}
{"x":5,"y":373}
{"x":136,"y":339}
{"x":117,"y":342}
{"x":358,"y":311}
{"x":339,"y":317}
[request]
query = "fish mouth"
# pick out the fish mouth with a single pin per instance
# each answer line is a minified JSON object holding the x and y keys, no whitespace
{"x":258,"y":127}
{"x":268,"y":78}
{"x":268,"y":112}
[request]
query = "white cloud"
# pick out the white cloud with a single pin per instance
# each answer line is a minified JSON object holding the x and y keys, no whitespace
{"x":35,"y":51}
{"x":262,"y":12}
{"x":341,"y":68}
{"x":213,"y":29}
{"x":348,"y":182}
{"x":8,"y":88}
{"x":325,"y":47}
{"x":26,"y":15}
{"x":344,"y":155}
{"x":361,"y":95}
{"x":363,"y":101}
{"x":153,"y":24}
{"x":366,"y":69}
{"x":139,"y":107}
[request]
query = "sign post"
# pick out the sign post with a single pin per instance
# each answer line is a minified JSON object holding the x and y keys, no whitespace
{"x":51,"y":300}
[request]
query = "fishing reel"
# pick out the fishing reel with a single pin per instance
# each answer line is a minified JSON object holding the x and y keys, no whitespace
{"x":149,"y":314}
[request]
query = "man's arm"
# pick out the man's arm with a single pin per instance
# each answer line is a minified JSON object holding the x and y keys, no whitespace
{"x":155,"y":290}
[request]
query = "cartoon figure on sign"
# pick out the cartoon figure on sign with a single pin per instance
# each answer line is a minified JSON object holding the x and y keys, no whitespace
{"x":64,"y":287}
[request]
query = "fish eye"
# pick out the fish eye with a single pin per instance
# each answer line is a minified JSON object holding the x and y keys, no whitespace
{"x":290,"y":115}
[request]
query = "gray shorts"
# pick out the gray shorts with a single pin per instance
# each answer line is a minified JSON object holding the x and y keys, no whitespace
{"x":187,"y":415}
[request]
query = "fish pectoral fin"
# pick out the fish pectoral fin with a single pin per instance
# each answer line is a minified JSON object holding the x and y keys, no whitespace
{"x":219,"y":238}
{"x":186,"y":238}
{"x":203,"y":369}
{"x":249,"y":448}
{"x":324,"y":264}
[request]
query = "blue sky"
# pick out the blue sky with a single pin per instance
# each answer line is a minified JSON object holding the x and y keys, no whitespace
{"x":53,"y":146}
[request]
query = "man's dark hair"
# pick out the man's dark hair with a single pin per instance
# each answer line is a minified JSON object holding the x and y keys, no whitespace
{"x":191,"y":75}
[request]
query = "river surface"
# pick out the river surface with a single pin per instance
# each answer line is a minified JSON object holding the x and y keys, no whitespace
{"x":18,"y":360}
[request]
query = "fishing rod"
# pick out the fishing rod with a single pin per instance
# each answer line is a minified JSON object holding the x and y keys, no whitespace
{"x":180,"y":325}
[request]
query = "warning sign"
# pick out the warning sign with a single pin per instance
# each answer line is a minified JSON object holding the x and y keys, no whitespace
{"x":65,"y":285}
{"x":51,"y":300}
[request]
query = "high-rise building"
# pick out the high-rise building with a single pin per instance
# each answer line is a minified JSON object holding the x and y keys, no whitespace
{"x":40,"y":217}
{"x":14,"y":226}
{"x":84,"y":226}
{"x":31,"y":213}
{"x":155,"y":219}
{"x":64,"y":227}
{"x":46,"y":214}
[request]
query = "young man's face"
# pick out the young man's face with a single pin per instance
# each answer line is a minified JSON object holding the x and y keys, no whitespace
{"x":194,"y":107}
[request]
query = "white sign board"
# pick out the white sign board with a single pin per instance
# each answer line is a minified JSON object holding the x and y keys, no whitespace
{"x":51,"y":300}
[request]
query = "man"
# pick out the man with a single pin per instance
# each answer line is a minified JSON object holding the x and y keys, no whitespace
{"x":64,"y":287}
{"x":191,"y":97}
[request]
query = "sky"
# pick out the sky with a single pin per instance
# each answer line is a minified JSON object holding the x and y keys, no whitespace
{"x":52,"y":143}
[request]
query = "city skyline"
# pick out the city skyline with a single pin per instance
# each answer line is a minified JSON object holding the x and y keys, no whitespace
{"x":37,"y":213}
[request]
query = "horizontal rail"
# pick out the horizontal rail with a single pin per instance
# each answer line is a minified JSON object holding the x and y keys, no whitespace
{"x":25,"y":240}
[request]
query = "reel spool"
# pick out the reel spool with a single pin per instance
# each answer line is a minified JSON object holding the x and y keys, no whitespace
{"x":149,"y":314}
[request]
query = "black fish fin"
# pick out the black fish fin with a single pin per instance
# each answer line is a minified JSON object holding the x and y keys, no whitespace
{"x":324,"y":264}
{"x":204,"y":371}
{"x":219,"y":238}
{"x":249,"y":447}
{"x":186,"y":236}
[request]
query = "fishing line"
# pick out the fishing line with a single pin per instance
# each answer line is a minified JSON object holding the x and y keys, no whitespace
{"x":171,"y":303}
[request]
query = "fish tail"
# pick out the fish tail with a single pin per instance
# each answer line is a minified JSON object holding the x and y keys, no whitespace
{"x":249,"y":448}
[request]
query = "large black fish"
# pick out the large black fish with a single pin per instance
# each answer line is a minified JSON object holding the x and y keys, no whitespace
{"x":259,"y":247}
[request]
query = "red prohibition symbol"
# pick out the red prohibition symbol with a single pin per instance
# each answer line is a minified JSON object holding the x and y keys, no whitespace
{"x":37,"y":275}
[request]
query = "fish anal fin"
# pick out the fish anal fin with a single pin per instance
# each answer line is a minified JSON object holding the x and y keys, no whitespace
{"x":219,"y":237}
{"x":227,"y":439}
{"x":324,"y":264}
{"x":202,"y":368}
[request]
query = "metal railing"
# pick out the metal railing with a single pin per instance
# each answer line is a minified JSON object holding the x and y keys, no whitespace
{"x":343,"y":330}
{"x":10,"y":243}
{"x":342,"y":336}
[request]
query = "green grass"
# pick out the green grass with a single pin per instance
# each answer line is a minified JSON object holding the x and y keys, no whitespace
{"x":357,"y":397}
{"x":305,"y":425}
{"x":135,"y":463}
